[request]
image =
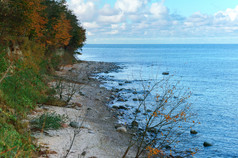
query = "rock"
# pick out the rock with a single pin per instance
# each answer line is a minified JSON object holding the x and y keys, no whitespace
{"x":141,"y":99}
{"x":115,"y":107}
{"x":134,"y":124}
{"x":138,"y":111}
{"x":64,"y":125}
{"x":118,"y":125}
{"x":135,"y":99}
{"x":75,"y":124}
{"x":77,"y":104}
{"x":193,"y":131}
{"x":122,"y":107}
{"x":167,"y":147}
{"x":134,"y":92}
{"x":152,"y":130}
{"x":121,"y":129}
{"x":120,"y":84}
{"x":148,"y":110}
{"x":165,"y":73}
{"x":127,"y":81}
{"x":121,"y":100}
{"x":206,"y":144}
{"x":83,"y":153}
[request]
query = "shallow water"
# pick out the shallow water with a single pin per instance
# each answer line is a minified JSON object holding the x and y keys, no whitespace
{"x":210,"y":71}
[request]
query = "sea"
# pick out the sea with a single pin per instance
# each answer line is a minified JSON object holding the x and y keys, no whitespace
{"x":210,"y":71}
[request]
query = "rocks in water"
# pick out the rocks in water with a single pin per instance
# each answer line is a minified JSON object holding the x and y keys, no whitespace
{"x":165,"y":73}
{"x":140,"y":99}
{"x":134,"y":92}
{"x":135,"y":99}
{"x":206,"y":144}
{"x":138,"y":111}
{"x":128,"y":82}
{"x":122,"y":100}
{"x":120,"y":84}
{"x":193,"y":131}
{"x":134,"y":124}
{"x":148,"y":110}
{"x":167,"y":147}
{"x":121,"y":129}
{"x":75,"y":124}
{"x":152,"y":130}
{"x":122,"y":107}
{"x":115,"y":107}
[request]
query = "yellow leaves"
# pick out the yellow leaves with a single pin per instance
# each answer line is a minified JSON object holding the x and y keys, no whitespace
{"x":62,"y":31}
{"x":155,"y":114}
{"x":153,"y":151}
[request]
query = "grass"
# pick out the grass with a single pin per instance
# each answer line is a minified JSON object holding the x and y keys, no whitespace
{"x":48,"y":121}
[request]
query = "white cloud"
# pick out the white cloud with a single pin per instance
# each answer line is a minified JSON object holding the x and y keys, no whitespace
{"x":129,"y":6}
{"x":111,"y":18}
{"x":85,"y":11}
{"x":91,"y":25}
{"x":141,"y":19}
{"x":159,"y":10}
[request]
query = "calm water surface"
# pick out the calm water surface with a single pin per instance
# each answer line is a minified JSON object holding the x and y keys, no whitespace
{"x":210,"y":71}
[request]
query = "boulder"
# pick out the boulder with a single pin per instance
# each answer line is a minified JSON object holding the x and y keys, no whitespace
{"x":122,"y":107}
{"x":135,"y":99}
{"x":206,"y":144}
{"x":134,"y":124}
{"x":121,"y":129}
{"x":165,"y":73}
{"x":75,"y":124}
{"x":193,"y":131}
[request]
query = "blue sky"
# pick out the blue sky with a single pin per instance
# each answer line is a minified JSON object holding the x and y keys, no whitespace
{"x":158,"y":21}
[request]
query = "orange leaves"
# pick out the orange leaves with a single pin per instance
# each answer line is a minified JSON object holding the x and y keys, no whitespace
{"x":153,"y":151}
{"x":62,"y":30}
{"x":155,"y":114}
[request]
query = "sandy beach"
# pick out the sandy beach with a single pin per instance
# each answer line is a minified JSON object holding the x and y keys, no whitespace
{"x":98,"y":135}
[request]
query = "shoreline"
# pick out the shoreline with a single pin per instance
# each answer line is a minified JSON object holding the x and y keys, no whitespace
{"x":98,"y":136}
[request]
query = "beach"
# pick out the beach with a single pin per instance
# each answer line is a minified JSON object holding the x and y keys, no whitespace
{"x":97,"y":135}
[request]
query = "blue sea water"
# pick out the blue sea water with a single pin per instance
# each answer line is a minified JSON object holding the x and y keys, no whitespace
{"x":210,"y":71}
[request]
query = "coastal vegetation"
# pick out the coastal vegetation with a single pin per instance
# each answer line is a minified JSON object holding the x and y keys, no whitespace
{"x":35,"y":38}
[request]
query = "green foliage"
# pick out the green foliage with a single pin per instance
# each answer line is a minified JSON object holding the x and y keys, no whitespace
{"x":48,"y":121}
{"x":13,"y":143}
{"x":23,"y":88}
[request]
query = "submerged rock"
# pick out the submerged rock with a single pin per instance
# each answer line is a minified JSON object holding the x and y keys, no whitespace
{"x":135,"y":99}
{"x":165,"y":73}
{"x":122,"y":107}
{"x":193,"y":131}
{"x":134,"y":92}
{"x":206,"y":144}
{"x":134,"y":124}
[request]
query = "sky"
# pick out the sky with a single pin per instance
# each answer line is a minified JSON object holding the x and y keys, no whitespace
{"x":158,"y":21}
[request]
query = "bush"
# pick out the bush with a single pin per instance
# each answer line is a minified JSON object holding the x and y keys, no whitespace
{"x":48,"y":121}
{"x":166,"y":116}
{"x":14,"y":144}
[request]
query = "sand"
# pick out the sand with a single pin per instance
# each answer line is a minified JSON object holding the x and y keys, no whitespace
{"x":98,"y":137}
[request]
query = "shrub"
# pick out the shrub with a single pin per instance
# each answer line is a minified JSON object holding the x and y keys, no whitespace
{"x":48,"y":121}
{"x":167,"y":115}
{"x":14,"y":144}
